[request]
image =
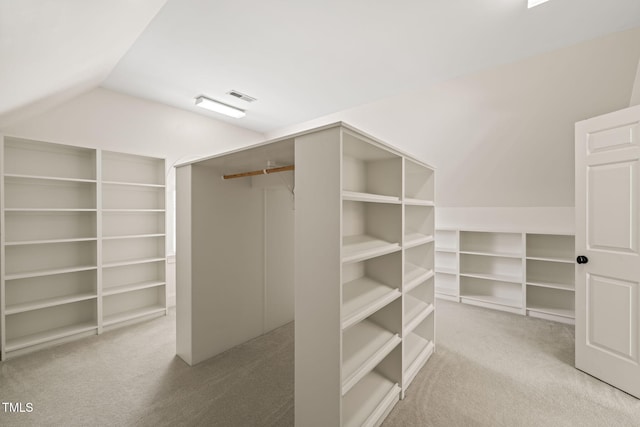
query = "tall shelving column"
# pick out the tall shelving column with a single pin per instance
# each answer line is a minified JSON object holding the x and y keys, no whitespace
{"x":49,"y":289}
{"x":447,"y":265}
{"x":550,"y":277}
{"x":371,"y":265}
{"x":133,"y":238}
{"x":418,"y":282}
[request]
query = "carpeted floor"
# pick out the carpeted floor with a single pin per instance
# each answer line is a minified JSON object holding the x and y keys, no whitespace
{"x":490,"y":369}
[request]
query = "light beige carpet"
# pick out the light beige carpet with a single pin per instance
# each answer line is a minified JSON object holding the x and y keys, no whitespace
{"x":498,"y":369}
{"x":490,"y":369}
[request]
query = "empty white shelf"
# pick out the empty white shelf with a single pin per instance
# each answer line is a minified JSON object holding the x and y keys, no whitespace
{"x":49,"y":302}
{"x":414,"y":275}
{"x":53,"y":334}
{"x":37,"y":242}
{"x":499,"y":277}
{"x":50,"y":210}
{"x":566,"y":260}
{"x":130,"y":287}
{"x":369,"y":401}
{"x":416,"y":352}
{"x":415,"y":311}
{"x":446,"y":270}
{"x":49,"y":272}
{"x":132,"y":262}
{"x":363,"y":297}
{"x":364,"y":345}
{"x":47,"y":178}
{"x":132,"y":314}
{"x":493,"y":253}
{"x":356,"y":196}
{"x":415,"y":239}
{"x":448,"y":250}
{"x":552,"y":285}
{"x":133,"y":236}
{"x":418,"y":202}
{"x":563,"y":312}
{"x":133,"y":184}
{"x":508,"y":302}
{"x":361,"y":247}
{"x":133,"y":210}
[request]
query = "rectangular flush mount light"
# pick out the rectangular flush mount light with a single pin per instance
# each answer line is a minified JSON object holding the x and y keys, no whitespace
{"x":533,"y":3}
{"x":219,"y":107}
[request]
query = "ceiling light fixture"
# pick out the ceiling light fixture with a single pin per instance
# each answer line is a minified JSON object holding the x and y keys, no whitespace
{"x":219,"y":107}
{"x":532,"y":3}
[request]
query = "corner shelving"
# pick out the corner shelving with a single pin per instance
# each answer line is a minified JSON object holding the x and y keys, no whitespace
{"x":368,"y":286}
{"x":446,"y":264}
{"x":519,"y":272}
{"x":55,"y":232}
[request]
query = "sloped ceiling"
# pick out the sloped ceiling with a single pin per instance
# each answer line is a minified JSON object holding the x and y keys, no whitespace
{"x":55,"y":49}
{"x":301,"y":59}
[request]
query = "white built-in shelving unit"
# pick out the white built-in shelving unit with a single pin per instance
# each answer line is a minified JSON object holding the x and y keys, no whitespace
{"x":385,"y":273}
{"x":364,"y":267}
{"x":59,"y":236}
{"x":520,"y":272}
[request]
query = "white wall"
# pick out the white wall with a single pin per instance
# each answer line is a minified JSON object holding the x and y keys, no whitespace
{"x":505,"y":137}
{"x":635,"y":95}
{"x":109,"y":120}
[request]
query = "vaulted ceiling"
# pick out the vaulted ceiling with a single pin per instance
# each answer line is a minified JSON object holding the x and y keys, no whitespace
{"x":300,"y":59}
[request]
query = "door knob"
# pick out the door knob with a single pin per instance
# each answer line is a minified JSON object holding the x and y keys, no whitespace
{"x":582,"y":259}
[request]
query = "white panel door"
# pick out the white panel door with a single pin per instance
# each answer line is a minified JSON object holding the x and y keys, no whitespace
{"x":607,"y":242}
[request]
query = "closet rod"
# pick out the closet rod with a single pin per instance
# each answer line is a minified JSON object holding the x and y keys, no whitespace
{"x":260,"y":172}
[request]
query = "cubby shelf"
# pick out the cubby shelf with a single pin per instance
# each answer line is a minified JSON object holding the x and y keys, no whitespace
{"x":414,"y":275}
{"x":416,"y":239}
{"x":415,"y":312}
{"x":364,"y":346}
{"x":369,"y":401}
{"x":363,"y":297}
{"x":522,"y":272}
{"x":446,"y":270}
{"x":416,"y":351}
{"x":359,"y":248}
{"x":60,"y":243}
